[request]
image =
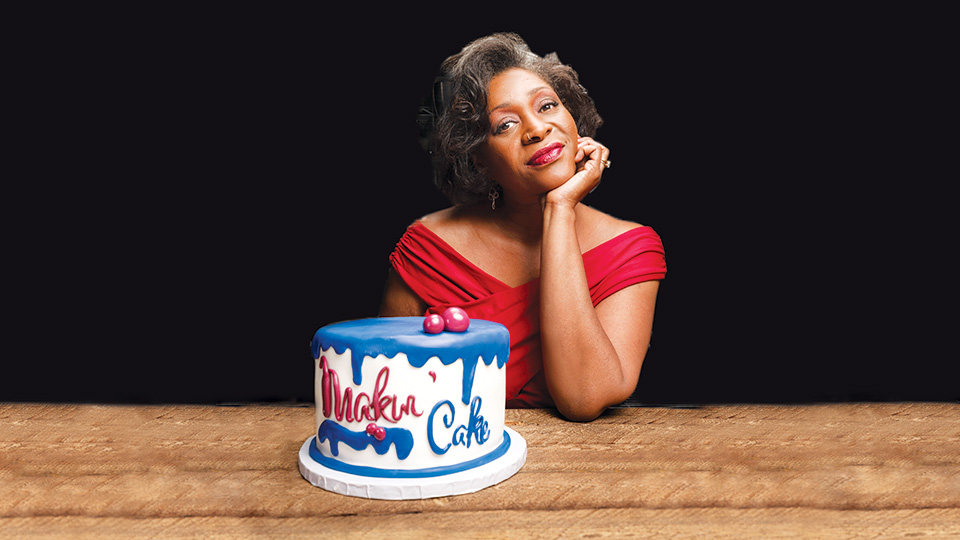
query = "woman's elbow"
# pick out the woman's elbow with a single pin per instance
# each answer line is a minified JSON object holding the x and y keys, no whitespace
{"x":586,"y":408}
{"x":579,"y":413}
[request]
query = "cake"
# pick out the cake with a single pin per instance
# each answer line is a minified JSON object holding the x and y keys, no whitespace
{"x":411,"y":407}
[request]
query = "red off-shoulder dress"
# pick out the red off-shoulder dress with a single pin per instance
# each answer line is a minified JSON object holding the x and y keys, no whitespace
{"x":442,"y":278}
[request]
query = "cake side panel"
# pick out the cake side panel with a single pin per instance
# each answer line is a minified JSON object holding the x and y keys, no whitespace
{"x":420,"y":411}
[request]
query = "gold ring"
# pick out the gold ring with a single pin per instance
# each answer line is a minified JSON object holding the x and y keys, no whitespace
{"x":605,"y":163}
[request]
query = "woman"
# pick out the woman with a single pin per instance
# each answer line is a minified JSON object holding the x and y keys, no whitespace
{"x":513,"y":151}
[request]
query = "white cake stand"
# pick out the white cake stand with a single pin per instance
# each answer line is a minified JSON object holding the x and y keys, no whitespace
{"x":456,"y":483}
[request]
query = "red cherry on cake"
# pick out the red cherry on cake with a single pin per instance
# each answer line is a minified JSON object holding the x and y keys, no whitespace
{"x":377,"y":432}
{"x":455,"y":320}
{"x":433,"y":324}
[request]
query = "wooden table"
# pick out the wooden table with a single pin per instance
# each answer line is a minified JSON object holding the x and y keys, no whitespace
{"x":819,"y":471}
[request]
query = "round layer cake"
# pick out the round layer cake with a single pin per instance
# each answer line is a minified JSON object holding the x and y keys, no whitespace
{"x":402,"y":412}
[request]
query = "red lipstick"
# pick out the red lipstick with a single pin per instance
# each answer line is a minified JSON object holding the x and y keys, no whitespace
{"x":547,"y":154}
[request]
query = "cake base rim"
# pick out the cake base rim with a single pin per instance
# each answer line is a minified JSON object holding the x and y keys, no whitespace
{"x":457,"y":483}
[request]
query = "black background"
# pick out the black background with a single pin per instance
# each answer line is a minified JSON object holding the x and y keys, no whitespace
{"x":202,"y":191}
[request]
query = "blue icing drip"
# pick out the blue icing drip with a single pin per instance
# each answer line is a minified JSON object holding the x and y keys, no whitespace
{"x":393,"y":335}
{"x":401,"y":438}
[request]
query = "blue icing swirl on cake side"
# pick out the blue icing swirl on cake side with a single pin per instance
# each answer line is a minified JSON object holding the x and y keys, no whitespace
{"x":400,"y":438}
{"x":393,"y":335}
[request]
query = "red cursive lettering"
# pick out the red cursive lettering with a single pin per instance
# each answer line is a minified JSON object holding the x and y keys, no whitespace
{"x":343,"y":406}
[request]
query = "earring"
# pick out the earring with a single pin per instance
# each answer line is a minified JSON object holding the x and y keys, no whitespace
{"x":493,"y":195}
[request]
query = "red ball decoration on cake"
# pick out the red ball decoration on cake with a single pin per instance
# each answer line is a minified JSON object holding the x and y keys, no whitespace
{"x":455,"y":320}
{"x":433,"y":324}
{"x":377,"y":432}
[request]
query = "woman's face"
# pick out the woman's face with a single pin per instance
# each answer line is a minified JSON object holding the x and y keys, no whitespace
{"x":533,"y":138}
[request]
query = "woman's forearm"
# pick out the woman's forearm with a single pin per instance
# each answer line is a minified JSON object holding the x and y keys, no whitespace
{"x":583,"y":370}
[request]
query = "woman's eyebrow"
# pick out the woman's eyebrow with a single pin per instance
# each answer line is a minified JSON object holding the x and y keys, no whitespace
{"x":529,"y":94}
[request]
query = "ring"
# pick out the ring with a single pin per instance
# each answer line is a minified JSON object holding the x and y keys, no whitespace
{"x":605,"y":163}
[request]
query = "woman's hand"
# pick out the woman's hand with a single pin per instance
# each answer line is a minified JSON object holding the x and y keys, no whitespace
{"x":590,"y":159}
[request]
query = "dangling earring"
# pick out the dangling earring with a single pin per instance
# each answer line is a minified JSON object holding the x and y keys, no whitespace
{"x":493,"y":196}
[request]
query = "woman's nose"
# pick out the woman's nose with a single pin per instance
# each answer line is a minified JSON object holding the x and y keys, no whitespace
{"x":536,"y":132}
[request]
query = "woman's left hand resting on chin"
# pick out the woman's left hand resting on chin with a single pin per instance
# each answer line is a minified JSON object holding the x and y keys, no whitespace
{"x":585,"y":180}
{"x":591,"y":355}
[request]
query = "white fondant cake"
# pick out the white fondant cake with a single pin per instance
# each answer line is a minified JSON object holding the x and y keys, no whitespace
{"x":405,"y":413}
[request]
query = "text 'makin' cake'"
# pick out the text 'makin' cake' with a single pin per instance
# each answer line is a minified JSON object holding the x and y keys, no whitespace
{"x":411,"y":407}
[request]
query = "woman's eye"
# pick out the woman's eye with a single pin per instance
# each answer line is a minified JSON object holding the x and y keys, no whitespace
{"x":503,"y":126}
{"x":548,"y":105}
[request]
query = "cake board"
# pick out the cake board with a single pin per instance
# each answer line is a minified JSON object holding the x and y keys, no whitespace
{"x":456,"y":483}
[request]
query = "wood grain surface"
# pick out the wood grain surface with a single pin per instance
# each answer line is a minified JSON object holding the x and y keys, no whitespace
{"x":873,"y":470}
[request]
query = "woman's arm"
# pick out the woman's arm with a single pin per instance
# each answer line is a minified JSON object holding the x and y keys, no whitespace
{"x":399,"y":300}
{"x":591,"y":356}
